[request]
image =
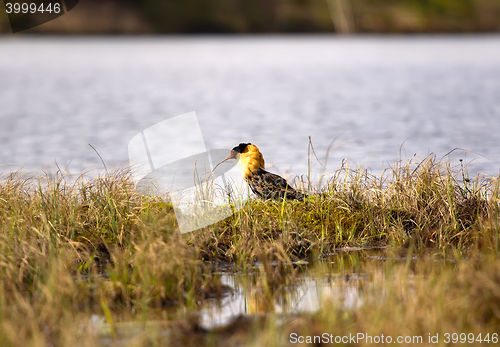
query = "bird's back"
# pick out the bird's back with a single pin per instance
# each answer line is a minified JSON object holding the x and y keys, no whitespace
{"x":269,"y":186}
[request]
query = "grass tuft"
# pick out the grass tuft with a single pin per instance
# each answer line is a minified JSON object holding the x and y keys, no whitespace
{"x":70,"y":249}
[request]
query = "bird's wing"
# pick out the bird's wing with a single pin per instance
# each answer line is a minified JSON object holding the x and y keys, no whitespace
{"x":271,"y":186}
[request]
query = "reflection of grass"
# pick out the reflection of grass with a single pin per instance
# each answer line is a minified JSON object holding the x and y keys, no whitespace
{"x":430,"y":296}
{"x":68,"y":250}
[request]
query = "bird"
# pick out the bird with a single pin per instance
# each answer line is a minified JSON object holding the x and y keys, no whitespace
{"x":264,"y":184}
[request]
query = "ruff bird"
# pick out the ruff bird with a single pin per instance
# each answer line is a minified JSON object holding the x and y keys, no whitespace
{"x":264,"y":184}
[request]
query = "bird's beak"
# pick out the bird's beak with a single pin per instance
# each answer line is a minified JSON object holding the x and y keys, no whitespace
{"x":231,"y":156}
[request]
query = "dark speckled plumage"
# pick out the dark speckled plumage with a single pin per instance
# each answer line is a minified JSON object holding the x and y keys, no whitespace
{"x":269,"y":186}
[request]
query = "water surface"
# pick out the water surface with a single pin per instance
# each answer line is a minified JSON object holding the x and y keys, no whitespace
{"x":379,"y":97}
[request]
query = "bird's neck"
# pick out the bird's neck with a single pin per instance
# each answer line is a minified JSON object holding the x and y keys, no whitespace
{"x":250,"y":162}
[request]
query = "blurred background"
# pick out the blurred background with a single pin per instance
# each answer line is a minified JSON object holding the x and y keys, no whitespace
{"x":275,"y":16}
{"x":378,"y":80}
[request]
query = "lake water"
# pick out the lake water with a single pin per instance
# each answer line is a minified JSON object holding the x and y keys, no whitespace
{"x":379,"y":98}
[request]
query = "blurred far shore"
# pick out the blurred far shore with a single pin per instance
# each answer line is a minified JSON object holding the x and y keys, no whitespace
{"x":271,"y":16}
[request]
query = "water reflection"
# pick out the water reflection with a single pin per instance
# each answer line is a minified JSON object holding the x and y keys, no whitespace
{"x":346,"y":279}
{"x":336,"y":280}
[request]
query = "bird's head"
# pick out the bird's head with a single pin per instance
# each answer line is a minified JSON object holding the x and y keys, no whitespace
{"x":242,"y":148}
{"x":249,"y":158}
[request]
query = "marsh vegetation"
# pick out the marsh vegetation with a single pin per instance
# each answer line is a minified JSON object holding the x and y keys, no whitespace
{"x":92,"y":262}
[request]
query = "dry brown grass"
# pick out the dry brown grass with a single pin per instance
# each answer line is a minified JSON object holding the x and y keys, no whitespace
{"x":422,"y":205}
{"x":71,"y":249}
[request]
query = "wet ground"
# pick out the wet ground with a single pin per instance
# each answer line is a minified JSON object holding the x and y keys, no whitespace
{"x":285,"y":290}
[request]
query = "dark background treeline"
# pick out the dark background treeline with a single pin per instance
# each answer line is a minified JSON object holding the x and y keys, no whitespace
{"x":276,"y":16}
{"x":261,"y":16}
